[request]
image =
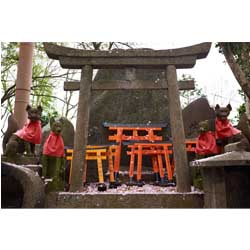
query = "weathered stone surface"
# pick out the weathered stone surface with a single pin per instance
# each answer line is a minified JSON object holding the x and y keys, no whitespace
{"x":139,"y":62}
{"x":82,"y":125}
{"x":177,"y":129}
{"x":130,"y":106}
{"x":227,"y":187}
{"x":143,"y":58}
{"x":199,"y":50}
{"x":237,"y":181}
{"x":226,"y":180}
{"x":12,"y":128}
{"x":232,"y":147}
{"x":80,"y":200}
{"x":197,"y":111}
{"x":214,"y":188}
{"x":21,"y":160}
{"x":235,"y":158}
{"x":21,"y":187}
{"x":129,"y":85}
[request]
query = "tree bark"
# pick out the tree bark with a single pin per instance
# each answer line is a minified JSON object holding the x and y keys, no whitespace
{"x":247,"y":105}
{"x":236,"y":69}
{"x":23,"y":82}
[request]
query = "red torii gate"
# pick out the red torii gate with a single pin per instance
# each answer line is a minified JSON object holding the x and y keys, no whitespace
{"x":168,"y":60}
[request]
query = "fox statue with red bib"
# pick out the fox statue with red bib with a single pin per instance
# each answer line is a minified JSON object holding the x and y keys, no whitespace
{"x":23,"y":141}
{"x":216,"y":134}
{"x":53,"y":160}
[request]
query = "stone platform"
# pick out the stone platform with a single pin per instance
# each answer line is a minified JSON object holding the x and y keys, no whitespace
{"x":226,"y":180}
{"x":147,"y":196}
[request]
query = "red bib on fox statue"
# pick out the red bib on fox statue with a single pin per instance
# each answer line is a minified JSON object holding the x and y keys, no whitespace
{"x":31,"y":132}
{"x":54,"y":145}
{"x":206,"y":144}
{"x":224,"y":129}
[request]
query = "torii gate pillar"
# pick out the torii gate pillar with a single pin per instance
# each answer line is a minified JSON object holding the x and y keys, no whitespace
{"x":82,"y":123}
{"x":177,"y":130}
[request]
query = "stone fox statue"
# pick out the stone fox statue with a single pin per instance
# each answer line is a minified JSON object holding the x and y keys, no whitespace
{"x":53,"y":160}
{"x":24,"y":140}
{"x":206,"y":143}
{"x":215,"y":134}
{"x":224,"y":131}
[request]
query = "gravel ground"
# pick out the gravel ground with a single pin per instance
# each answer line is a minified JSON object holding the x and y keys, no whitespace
{"x":124,"y":189}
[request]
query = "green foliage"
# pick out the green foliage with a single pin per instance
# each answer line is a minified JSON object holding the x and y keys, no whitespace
{"x":42,"y":81}
{"x":9,"y":59}
{"x":241,"y":109}
{"x":41,"y":88}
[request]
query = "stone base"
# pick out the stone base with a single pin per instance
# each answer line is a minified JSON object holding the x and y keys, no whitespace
{"x":20,"y":187}
{"x":226,"y":180}
{"x":21,"y":160}
{"x":30,"y":162}
{"x":83,"y":200}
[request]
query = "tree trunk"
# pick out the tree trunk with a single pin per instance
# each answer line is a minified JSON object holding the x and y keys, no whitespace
{"x":236,"y":69}
{"x":247,"y":105}
{"x":23,"y":82}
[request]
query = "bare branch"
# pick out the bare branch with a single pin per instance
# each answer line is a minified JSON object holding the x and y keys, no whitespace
{"x":51,"y":96}
{"x":125,"y":44}
{"x":8,"y":93}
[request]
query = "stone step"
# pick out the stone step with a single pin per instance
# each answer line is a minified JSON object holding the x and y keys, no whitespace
{"x":107,"y":200}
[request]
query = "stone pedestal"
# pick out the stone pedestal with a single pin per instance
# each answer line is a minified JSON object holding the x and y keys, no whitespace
{"x":226,"y":180}
{"x":30,"y":162}
{"x":20,"y":187}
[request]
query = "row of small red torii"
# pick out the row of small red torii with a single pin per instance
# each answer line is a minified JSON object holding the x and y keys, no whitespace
{"x":168,"y":60}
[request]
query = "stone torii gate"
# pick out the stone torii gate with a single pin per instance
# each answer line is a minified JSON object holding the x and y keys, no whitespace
{"x":168,"y":60}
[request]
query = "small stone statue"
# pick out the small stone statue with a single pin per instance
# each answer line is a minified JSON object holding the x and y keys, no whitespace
{"x":218,"y":133}
{"x":24,"y":140}
{"x":224,"y":131}
{"x":206,"y":143}
{"x":53,"y":160}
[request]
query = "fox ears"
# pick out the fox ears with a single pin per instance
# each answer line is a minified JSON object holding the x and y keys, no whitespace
{"x":53,"y":120}
{"x":39,"y":108}
{"x":28,"y":108}
{"x":228,"y":106}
